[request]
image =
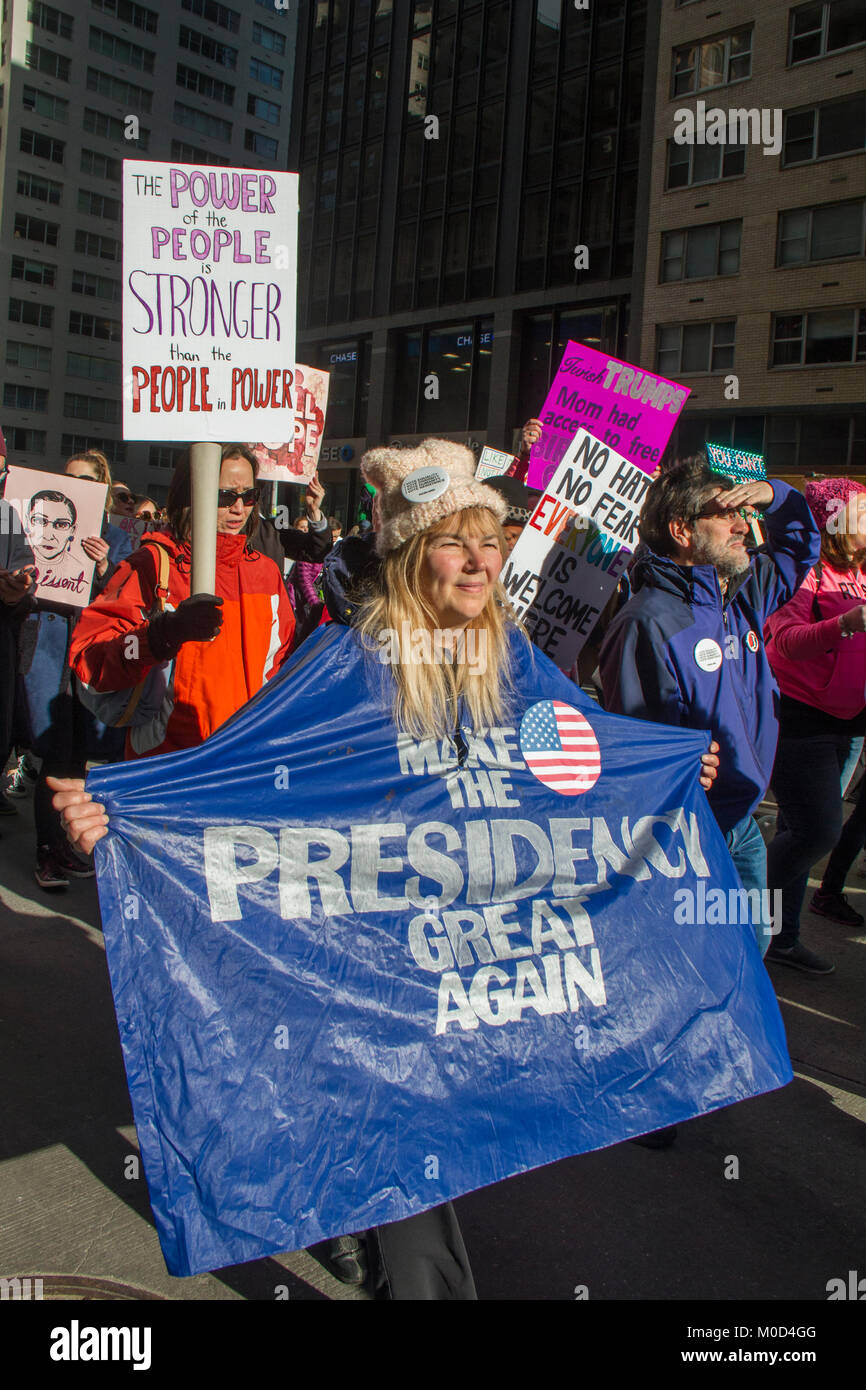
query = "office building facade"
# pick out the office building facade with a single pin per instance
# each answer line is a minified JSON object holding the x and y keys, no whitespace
{"x":470,"y":199}
{"x":85,"y":84}
{"x":756,"y":251}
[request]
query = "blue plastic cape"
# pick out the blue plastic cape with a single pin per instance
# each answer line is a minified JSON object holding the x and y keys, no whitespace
{"x":356,"y":976}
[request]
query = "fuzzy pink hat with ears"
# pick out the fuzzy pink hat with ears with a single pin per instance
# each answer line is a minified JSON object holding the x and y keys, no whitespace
{"x":417,"y":487}
{"x":825,"y":492}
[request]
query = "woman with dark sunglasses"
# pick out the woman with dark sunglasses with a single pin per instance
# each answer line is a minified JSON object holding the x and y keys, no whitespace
{"x":220,"y":647}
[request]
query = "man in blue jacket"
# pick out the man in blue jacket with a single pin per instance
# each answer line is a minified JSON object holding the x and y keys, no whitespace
{"x":688,"y":646}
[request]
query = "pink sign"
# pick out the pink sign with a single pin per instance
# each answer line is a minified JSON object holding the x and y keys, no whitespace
{"x":629,"y":408}
{"x":295,"y":460}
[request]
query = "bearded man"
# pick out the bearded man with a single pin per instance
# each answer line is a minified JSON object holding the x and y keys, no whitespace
{"x":688,"y":646}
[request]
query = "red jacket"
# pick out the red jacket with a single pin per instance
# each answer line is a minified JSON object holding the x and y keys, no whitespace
{"x":211,"y":679}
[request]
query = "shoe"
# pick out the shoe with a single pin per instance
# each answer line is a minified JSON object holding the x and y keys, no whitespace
{"x":837,"y":908}
{"x":70,"y":863}
{"x":48,"y":873}
{"x":800,"y":958}
{"x":23,"y":780}
{"x":6,"y":807}
{"x":657,"y":1138}
{"x":346,"y":1258}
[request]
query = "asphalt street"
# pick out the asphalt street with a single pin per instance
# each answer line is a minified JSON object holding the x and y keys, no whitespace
{"x":761,"y":1201}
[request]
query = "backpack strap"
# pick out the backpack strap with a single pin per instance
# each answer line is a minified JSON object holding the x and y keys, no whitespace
{"x":816,"y":607}
{"x":161,"y":595}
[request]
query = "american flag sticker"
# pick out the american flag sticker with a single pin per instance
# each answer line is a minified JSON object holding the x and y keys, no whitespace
{"x":560,"y":748}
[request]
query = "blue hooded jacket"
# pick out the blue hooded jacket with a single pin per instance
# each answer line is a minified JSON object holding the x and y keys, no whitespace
{"x":680,"y":653}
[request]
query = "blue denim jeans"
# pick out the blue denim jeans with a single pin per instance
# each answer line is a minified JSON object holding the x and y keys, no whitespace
{"x":749,"y":853}
{"x":808,"y":779}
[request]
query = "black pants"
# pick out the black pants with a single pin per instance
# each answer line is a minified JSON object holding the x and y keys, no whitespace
{"x":848,"y":846}
{"x":421,"y":1257}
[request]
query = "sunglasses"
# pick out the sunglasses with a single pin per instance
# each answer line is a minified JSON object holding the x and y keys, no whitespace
{"x":227,"y":496}
{"x":728,"y":513}
{"x":125,"y":497}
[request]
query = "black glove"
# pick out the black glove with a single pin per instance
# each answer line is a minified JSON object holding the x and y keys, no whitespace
{"x":197,"y":619}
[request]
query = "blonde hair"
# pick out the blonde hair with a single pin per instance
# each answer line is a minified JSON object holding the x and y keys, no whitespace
{"x":428,"y":692}
{"x":96,"y":460}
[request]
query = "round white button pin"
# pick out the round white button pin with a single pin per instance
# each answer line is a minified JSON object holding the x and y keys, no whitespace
{"x":425,"y":484}
{"x":708,"y":654}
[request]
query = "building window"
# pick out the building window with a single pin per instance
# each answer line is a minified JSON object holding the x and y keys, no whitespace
{"x":203,"y":122}
{"x":544,"y":340}
{"x":92,"y":244}
{"x":129,"y":13}
{"x":712,"y":63}
{"x":23,"y":441}
{"x":51,"y":20}
{"x":265,"y":110}
{"x":40,"y":59}
{"x":689,"y":348}
{"x":269,"y":38}
{"x":209,"y":48}
{"x":29,"y":355}
{"x":818,"y":337}
{"x":100,"y":165}
{"x":194,"y":154}
{"x":458,"y":356}
{"x":264,"y":72}
{"x":691,"y":164}
{"x":825,"y":28}
{"x":95,"y":408}
{"x":162,"y":456}
{"x":698,"y":252}
{"x":121,"y":50}
{"x":827,"y":233}
{"x":34,"y":229}
{"x":205,"y":85}
{"x":96,"y":286}
{"x":34,"y":272}
{"x":29,"y":312}
{"x":44,"y":104}
{"x":837,"y":128}
{"x":260,"y":144}
{"x":114,"y":449}
{"x":91,"y":326}
{"x":33,"y":186}
{"x":110,"y":128}
{"x":214,"y":13}
{"x":127,"y":93}
{"x":41,"y":146}
{"x":98,"y":205}
{"x":17,"y":397}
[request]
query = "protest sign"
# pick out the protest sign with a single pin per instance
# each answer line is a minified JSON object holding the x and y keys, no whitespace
{"x":631,"y":409}
{"x":134,"y":526}
{"x":295,"y":461}
{"x":374,"y":974}
{"x":493,"y":463}
{"x":209,"y":268}
{"x":56,"y":514}
{"x":575,"y":547}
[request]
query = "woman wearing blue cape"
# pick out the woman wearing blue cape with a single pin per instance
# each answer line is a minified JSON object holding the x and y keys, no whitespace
{"x":426,"y":605}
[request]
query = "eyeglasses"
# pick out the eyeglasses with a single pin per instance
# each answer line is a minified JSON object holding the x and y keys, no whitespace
{"x":227,"y":496}
{"x":59,"y":523}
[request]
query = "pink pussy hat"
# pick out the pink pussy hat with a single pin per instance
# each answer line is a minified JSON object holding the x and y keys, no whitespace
{"x":825,"y":495}
{"x":417,"y":487}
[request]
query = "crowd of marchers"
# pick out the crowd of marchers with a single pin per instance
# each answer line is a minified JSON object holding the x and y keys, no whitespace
{"x":743,"y":614}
